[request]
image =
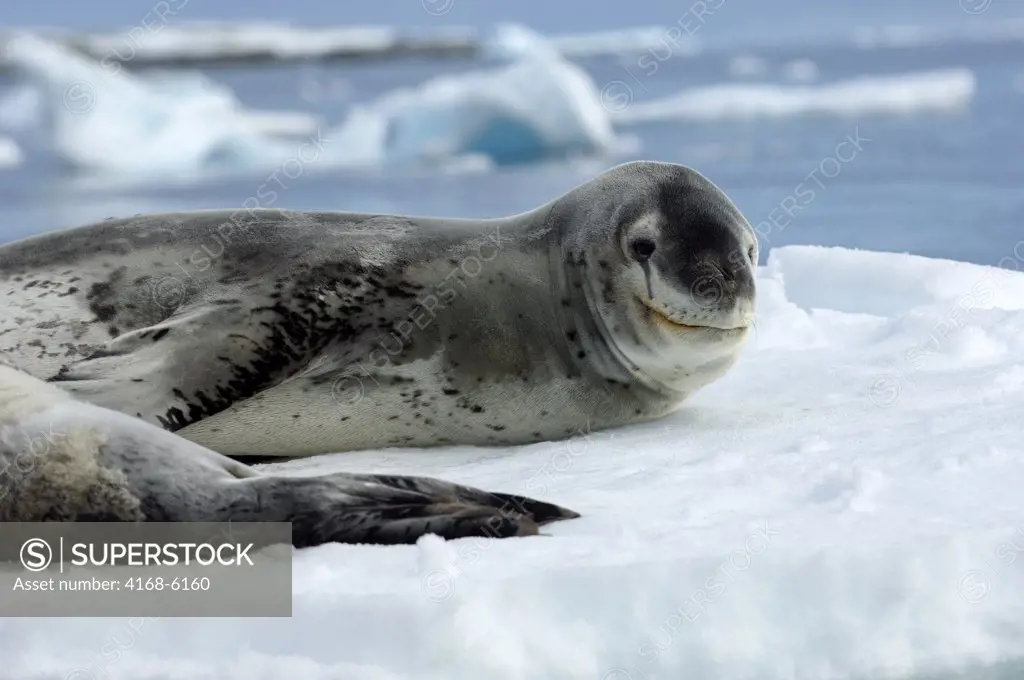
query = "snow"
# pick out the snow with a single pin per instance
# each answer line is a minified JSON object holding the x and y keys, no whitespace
{"x":844,"y":503}
{"x":943,"y":90}
{"x":105,"y":119}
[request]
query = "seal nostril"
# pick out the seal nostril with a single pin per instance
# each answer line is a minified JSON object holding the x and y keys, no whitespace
{"x":712,"y":268}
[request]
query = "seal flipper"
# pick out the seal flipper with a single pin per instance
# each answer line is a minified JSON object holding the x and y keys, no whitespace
{"x":391,"y":510}
{"x":539,"y":511}
{"x":187,"y":367}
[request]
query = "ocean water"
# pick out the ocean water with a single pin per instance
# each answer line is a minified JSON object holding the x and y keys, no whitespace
{"x":941,"y":181}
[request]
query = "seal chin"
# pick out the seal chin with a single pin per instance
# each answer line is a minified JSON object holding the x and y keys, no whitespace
{"x":668,"y":323}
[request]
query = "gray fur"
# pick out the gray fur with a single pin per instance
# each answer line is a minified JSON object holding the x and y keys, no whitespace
{"x":61,"y":460}
{"x":267,"y":332}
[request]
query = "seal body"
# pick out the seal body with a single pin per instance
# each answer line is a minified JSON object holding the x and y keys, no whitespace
{"x":66,"y":461}
{"x":266,"y":332}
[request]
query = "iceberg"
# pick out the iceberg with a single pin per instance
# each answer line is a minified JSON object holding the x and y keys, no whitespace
{"x":538,"y":107}
{"x":102,"y":118}
{"x":904,"y":93}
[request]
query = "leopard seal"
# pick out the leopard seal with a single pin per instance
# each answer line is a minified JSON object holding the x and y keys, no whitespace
{"x":62,"y":460}
{"x":263,"y":332}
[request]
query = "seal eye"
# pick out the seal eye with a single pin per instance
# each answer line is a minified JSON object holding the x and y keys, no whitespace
{"x":642,"y":249}
{"x":750,"y":254}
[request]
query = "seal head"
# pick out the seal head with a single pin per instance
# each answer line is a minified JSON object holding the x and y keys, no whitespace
{"x":669,"y":266}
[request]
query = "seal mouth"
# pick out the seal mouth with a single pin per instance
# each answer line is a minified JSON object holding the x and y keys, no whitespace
{"x":667,"y":321}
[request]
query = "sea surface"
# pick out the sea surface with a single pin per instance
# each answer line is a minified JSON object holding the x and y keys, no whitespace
{"x":941,"y":181}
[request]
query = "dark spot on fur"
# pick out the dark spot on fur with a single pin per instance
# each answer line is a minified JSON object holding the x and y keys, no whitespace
{"x":101,"y":294}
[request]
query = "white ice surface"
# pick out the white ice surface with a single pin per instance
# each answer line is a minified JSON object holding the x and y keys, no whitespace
{"x":845,"y":503}
{"x":945,"y":90}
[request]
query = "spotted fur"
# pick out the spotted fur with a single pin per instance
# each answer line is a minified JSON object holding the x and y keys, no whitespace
{"x":61,"y":460}
{"x":269,"y":332}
